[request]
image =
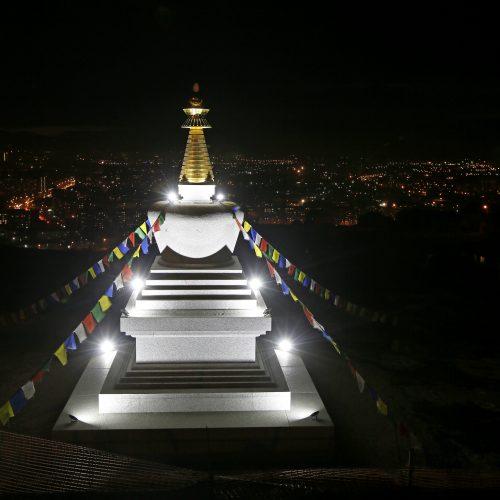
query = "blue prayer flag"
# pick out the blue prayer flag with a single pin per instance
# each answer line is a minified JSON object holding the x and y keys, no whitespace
{"x":70,"y":343}
{"x":372,"y":393}
{"x":123,"y":248}
{"x":97,"y":269}
{"x":282,"y":262}
{"x":109,"y":291}
{"x":284,"y":288}
{"x":18,"y":401}
{"x":253,"y":234}
{"x":148,"y":223}
{"x":145,"y":246}
{"x":307,"y":281}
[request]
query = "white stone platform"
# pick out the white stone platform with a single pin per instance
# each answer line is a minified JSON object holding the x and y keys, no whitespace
{"x":189,"y":315}
{"x":84,"y":404}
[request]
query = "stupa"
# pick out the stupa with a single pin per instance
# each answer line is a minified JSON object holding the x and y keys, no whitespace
{"x":200,"y":367}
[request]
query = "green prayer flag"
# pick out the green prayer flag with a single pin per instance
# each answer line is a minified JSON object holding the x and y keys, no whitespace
{"x":97,"y":313}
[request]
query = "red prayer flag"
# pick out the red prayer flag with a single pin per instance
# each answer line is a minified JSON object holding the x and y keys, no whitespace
{"x":271,"y":269}
{"x":89,"y":323}
{"x":291,"y":270}
{"x":263,"y":245}
{"x":38,"y":376}
{"x":309,"y":315}
{"x":105,"y":261}
{"x":83,"y":278}
{"x":156,"y":226}
{"x":126,"y":273}
{"x":131,"y":237}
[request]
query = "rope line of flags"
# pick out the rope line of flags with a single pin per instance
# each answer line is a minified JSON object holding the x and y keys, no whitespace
{"x":263,"y":247}
{"x":137,"y":241}
{"x":273,"y":258}
{"x":19,"y":399}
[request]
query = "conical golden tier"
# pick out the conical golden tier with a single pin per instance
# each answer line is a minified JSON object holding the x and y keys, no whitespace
{"x":196,"y":166}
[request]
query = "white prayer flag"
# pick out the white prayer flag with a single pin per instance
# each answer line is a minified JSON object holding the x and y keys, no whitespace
{"x":29,"y":389}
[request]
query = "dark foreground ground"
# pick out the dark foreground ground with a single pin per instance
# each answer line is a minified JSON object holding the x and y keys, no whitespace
{"x":438,"y":370}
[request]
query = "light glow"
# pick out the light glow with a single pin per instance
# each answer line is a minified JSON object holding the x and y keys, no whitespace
{"x":255,"y":283}
{"x":107,"y":346}
{"x":285,"y":345}
{"x":220,"y":197}
{"x":137,"y":284}
{"x":172,"y":196}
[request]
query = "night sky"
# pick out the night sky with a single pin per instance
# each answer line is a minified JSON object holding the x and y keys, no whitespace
{"x":416,"y":81}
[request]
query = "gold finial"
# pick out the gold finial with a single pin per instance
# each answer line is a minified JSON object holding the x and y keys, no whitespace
{"x":195,"y":101}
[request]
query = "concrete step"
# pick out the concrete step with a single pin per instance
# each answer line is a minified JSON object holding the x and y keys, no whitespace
{"x":194,"y":302}
{"x":194,"y":379}
{"x":193,"y":385}
{"x":194,"y":373}
{"x":206,"y":280}
{"x":169,"y":271}
{"x":195,"y":290}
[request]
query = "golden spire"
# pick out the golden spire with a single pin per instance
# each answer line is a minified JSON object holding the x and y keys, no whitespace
{"x":196,"y":166}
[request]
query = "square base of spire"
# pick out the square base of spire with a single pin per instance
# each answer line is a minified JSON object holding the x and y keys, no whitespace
{"x":196,"y":192}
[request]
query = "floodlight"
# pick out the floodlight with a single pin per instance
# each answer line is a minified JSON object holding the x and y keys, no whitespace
{"x":220,"y":197}
{"x":255,"y":283}
{"x":137,"y":284}
{"x":172,"y":196}
{"x":107,"y":346}
{"x":285,"y":345}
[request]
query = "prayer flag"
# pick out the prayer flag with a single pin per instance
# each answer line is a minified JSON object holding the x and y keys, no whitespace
{"x":61,"y":354}
{"x":70,"y":343}
{"x":306,"y":281}
{"x":294,"y":297}
{"x":140,"y":233}
{"x":6,"y":413}
{"x":246,"y":226}
{"x":148,"y":224}
{"x":119,"y":282}
{"x":156,"y":226}
{"x":270,"y":250}
{"x":327,"y":294}
{"x":253,"y":233}
{"x":42,"y":303}
{"x":284,"y":288}
{"x":337,"y":300}
{"x":317,"y":325}
{"x":105,"y":303}
{"x":312,"y":286}
{"x":277,"y":277}
{"x":123,"y":247}
{"x":145,"y":246}
{"x":97,"y":269}
{"x":68,"y":289}
{"x":105,"y":261}
{"x":372,"y":392}
{"x":276,"y":256}
{"x":137,"y":252}
{"x":109,"y":291}
{"x":55,"y":297}
{"x":282,"y":262}
{"x":18,"y":401}
{"x":101,"y":266}
{"x":118,"y":252}
{"x":80,"y":332}
{"x":250,"y":242}
{"x":301,"y":276}
{"x":257,"y":251}
{"x":34,"y":308}
{"x":308,"y":315}
{"x":271,"y":268}
{"x":126,"y":274}
{"x":38,"y":377}
{"x":381,"y":407}
{"x":161,"y":218}
{"x":258,"y":239}
{"x":360,"y":381}
{"x":131,"y":237}
{"x":263,"y":245}
{"x":150,"y":236}
{"x":92,"y":272}
{"x":111,"y":256}
{"x":291,"y":269}
{"x":89,"y":323}
{"x":287,"y":263}
{"x":97,"y":313}
{"x":74,"y":285}
{"x":28,"y":389}
{"x":47,"y":365}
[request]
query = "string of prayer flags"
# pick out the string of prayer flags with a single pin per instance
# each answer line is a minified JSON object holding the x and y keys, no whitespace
{"x":61,"y":354}
{"x":104,"y":303}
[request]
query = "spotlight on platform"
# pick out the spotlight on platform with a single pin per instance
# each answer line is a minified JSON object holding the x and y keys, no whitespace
{"x":137,"y":284}
{"x":172,"y":196}
{"x":220,"y":197}
{"x":255,"y":283}
{"x":285,"y":345}
{"x":107,"y":346}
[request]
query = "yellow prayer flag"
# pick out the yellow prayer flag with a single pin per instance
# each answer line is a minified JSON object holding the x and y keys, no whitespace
{"x":327,"y":294}
{"x":294,"y":297}
{"x":68,"y":289}
{"x":382,"y":407}
{"x":302,"y":275}
{"x":105,"y":303}
{"x":246,"y":226}
{"x":92,"y":272}
{"x":334,"y":344}
{"x":137,"y":252}
{"x":118,"y":252}
{"x":62,"y":355}
{"x":144,"y":228}
{"x":276,"y":256}
{"x":257,"y":251}
{"x":6,"y":412}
